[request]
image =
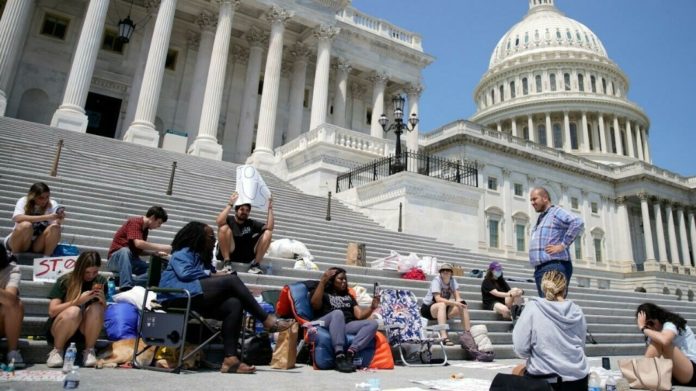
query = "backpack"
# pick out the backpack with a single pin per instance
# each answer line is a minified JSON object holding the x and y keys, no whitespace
{"x":257,"y":350}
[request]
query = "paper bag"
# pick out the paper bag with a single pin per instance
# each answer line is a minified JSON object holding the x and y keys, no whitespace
{"x":355,"y":254}
{"x":285,"y":351}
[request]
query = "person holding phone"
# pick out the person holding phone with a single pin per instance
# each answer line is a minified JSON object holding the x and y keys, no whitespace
{"x":38,"y":220}
{"x":443,"y":301}
{"x":76,"y":309}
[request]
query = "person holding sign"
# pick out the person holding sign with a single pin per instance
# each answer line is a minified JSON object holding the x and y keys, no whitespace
{"x":11,"y":307}
{"x":130,"y":241}
{"x":242,"y":239}
{"x":38,"y":221}
{"x":77,"y":307}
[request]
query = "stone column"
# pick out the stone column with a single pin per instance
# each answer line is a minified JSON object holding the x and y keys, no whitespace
{"x":567,"y":145}
{"x":71,"y":113}
{"x":15,"y":18}
{"x":585,"y":134}
{"x":343,"y":69}
{"x":646,"y":146}
{"x":596,"y":147}
{"x":647,"y":230}
{"x":617,"y":136}
{"x":532,"y":131}
{"x":673,"y":248}
{"x":629,"y":139}
{"x":624,"y":240}
{"x":692,"y":230}
{"x":299,"y":52}
{"x":413,"y":91}
{"x":683,"y":238}
{"x":240,"y":58}
{"x":379,"y":81}
{"x":660,"y":231}
{"x":142,"y":130}
{"x":206,"y":143}
{"x":357,"y":93}
{"x":549,"y":134}
{"x":206,"y":21}
{"x":320,"y":93}
{"x":263,"y":152}
{"x":257,"y":40}
{"x":602,"y":134}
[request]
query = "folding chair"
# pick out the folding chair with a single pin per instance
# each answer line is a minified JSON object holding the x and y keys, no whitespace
{"x":403,"y":324}
{"x":167,"y":326}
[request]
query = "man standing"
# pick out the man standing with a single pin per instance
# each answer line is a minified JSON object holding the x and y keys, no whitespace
{"x":555,"y":230}
{"x":130,"y":241}
{"x":242,"y":239}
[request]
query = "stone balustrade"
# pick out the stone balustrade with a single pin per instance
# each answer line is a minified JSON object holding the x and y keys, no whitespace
{"x":380,"y":27}
{"x":338,"y":136}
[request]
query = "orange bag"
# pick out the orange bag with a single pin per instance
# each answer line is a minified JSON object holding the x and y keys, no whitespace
{"x":383,"y":358}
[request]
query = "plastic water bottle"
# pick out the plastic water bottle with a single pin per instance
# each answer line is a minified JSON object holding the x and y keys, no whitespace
{"x":594,"y":383}
{"x":611,"y":383}
{"x":69,"y":358}
{"x":72,"y":379}
{"x":110,"y":290}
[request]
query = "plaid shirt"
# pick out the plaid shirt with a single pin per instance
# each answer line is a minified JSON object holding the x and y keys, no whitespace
{"x":131,"y":230}
{"x":554,"y":226}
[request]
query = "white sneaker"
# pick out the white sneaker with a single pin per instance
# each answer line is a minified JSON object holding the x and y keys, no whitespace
{"x":18,"y":360}
{"x":255,"y":270}
{"x":55,"y":359}
{"x":89,"y":358}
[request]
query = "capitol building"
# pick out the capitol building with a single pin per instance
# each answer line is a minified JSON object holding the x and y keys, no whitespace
{"x":300,"y":87}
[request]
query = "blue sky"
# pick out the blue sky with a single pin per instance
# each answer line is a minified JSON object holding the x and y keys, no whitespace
{"x":652,"y":41}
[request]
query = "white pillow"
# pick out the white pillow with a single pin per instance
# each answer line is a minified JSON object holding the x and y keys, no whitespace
{"x":135,"y":296}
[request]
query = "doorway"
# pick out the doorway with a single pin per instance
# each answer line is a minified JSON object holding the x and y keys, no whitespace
{"x":102,"y":113}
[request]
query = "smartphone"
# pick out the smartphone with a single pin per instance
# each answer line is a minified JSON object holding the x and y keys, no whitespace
{"x":375,"y":289}
{"x":60,"y":210}
{"x":606,"y":363}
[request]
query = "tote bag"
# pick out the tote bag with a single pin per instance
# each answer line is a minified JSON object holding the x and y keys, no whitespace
{"x":648,"y":373}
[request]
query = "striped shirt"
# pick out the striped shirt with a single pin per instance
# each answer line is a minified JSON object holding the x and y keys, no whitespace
{"x":554,"y":226}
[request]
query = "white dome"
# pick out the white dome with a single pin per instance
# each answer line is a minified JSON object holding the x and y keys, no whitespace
{"x":545,"y":28}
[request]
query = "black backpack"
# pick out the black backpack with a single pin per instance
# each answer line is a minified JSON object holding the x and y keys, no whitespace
{"x":257,"y":350}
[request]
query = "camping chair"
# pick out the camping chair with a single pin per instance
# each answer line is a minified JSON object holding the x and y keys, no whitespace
{"x":403,"y":324}
{"x":167,"y":326}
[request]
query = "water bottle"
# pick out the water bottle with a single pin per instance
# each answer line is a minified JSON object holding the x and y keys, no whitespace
{"x":69,"y":358}
{"x":594,"y":383}
{"x":72,"y":379}
{"x":110,"y":290}
{"x":611,"y":384}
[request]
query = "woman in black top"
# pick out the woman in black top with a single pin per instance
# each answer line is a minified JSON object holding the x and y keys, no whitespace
{"x":342,"y":315}
{"x":497,"y":295}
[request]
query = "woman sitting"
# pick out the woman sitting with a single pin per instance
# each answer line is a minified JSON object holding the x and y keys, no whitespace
{"x":550,"y":334}
{"x":669,"y":337}
{"x":37,"y":221}
{"x":342,"y":315}
{"x":77,"y":305}
{"x":443,"y":302}
{"x":220,"y":295}
{"x":497,"y":295}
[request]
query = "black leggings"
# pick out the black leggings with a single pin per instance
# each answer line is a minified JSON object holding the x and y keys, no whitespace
{"x":225,"y":298}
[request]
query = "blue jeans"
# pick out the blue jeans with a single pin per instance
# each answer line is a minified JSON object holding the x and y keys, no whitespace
{"x":565,"y":267}
{"x":125,"y":263}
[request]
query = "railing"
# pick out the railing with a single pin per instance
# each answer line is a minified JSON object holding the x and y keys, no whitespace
{"x":436,"y":167}
{"x":335,"y":135}
{"x":380,"y":27}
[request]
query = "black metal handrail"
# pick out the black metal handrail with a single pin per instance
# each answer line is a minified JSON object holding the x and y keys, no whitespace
{"x":433,"y":166}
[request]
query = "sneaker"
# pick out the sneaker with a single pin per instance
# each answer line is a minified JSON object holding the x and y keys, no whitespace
{"x":227,"y":266}
{"x":55,"y":359}
{"x":89,"y":358}
{"x":255,"y":269}
{"x":18,"y":360}
{"x":343,"y":365}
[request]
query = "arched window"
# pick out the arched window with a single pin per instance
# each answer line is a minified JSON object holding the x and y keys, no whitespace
{"x":525,"y":86}
{"x":541,"y":134}
{"x":552,"y":81}
{"x":623,"y":142}
{"x":613,"y":88}
{"x":502,"y":94}
{"x":604,"y":85}
{"x":573,"y":136}
{"x":513,"y":92}
{"x":593,"y":83}
{"x":581,"y":82}
{"x":492,"y":96}
{"x":537,"y":81}
{"x":566,"y":81}
{"x":557,"y":136}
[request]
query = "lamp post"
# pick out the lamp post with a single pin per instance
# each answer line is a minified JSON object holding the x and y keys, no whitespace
{"x":126,"y":27}
{"x":398,"y":127}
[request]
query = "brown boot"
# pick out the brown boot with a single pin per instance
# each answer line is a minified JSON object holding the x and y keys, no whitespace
{"x":232,"y":364}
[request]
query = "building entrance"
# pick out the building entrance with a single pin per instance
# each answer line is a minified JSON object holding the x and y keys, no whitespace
{"x":102,"y":112}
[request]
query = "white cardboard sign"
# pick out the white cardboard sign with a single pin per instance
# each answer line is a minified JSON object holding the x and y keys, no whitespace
{"x":251,"y":188}
{"x":49,"y":269}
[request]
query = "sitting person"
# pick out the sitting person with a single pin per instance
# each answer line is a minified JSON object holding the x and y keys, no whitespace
{"x":77,"y":306}
{"x":342,"y":315}
{"x":497,"y":295}
{"x":38,"y":220}
{"x":550,"y":335}
{"x":130,"y":241}
{"x":443,"y":302}
{"x":221,"y":295}
{"x":243,"y":239}
{"x":669,"y":336}
{"x":11,"y":307}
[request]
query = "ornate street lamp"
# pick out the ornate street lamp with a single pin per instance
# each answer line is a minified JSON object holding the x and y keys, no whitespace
{"x":126,"y":27}
{"x":398,"y":127}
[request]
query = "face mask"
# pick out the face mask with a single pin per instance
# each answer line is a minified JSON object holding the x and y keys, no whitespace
{"x":497,"y":273}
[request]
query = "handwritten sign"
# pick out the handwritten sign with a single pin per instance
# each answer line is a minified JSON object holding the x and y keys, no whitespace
{"x":251,"y":188}
{"x":49,"y":269}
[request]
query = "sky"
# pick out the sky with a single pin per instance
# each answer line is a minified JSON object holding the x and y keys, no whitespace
{"x":652,"y":41}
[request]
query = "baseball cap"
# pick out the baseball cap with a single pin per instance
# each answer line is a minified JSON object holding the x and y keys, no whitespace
{"x":445,"y":266}
{"x":495,"y":265}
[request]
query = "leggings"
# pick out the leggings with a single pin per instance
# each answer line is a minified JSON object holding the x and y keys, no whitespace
{"x":364,"y":331}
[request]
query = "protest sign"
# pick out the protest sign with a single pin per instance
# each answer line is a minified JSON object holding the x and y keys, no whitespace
{"x":49,"y":269}
{"x":251,"y":188}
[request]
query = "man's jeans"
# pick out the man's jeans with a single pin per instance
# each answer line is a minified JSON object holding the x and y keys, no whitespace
{"x":125,"y":263}
{"x":565,"y":267}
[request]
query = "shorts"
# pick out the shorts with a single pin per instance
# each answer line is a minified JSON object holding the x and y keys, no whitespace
{"x":425,"y":311}
{"x":690,"y":383}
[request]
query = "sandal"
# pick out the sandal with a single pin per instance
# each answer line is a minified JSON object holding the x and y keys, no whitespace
{"x":280,"y":325}
{"x":447,"y":342}
{"x":233,"y":365}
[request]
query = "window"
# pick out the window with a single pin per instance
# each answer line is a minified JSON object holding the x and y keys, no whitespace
{"x":604,"y":85}
{"x":518,"y":189}
{"x":502,"y":94}
{"x":574,"y":202}
{"x":573,"y":135}
{"x":170,"y":63}
{"x":305,"y":98}
{"x":525,"y":86}
{"x":492,"y":183}
{"x":55,"y":26}
{"x":613,"y":88}
{"x":492,"y":96}
{"x":581,"y":82}
{"x":566,"y":81}
{"x":598,"y":250}
{"x":613,"y":139}
{"x":537,"y":81}
{"x":578,"y":247}
{"x":525,"y":133}
{"x":593,"y":83}
{"x":594,"y":207}
{"x":520,"y":237}
{"x":590,"y":139}
{"x":493,"y":233}
{"x":111,"y":41}
{"x":557,"y":136}
{"x":541,"y":134}
{"x":513,"y":93}
{"x":552,"y":81}
{"x":369,"y":117}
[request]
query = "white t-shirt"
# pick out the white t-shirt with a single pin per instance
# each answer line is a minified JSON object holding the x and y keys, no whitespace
{"x":439,"y":287}
{"x":22,"y":203}
{"x":685,"y":341}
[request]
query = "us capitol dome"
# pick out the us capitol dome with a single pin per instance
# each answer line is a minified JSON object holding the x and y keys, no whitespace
{"x":551,"y":81}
